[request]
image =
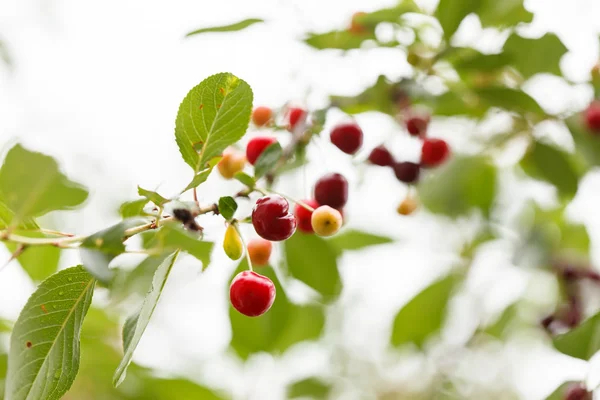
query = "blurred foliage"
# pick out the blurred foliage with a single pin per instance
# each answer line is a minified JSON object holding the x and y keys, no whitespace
{"x":238,"y":26}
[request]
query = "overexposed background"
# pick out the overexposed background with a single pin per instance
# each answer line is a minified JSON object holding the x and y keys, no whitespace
{"x":98,"y":84}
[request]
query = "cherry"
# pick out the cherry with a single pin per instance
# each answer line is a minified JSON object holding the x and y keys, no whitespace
{"x":417,"y":125}
{"x":303,"y":215}
{"x":332,"y":190}
{"x":272,"y":220}
{"x":355,"y":26}
{"x":251,"y":294}
{"x":592,"y":117}
{"x":261,"y":116}
{"x":577,"y":392}
{"x":408,"y":206}
{"x":347,"y":137}
{"x":259,"y":251}
{"x":434,"y":152}
{"x":295,"y":117}
{"x":381,"y":156}
{"x":232,"y":162}
{"x":256,"y":146}
{"x":407,"y":172}
{"x":326,"y":221}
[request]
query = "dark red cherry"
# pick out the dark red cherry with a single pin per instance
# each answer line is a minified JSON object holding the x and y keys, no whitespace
{"x":271,"y":218}
{"x":381,"y":156}
{"x":347,"y":137}
{"x":332,"y":190}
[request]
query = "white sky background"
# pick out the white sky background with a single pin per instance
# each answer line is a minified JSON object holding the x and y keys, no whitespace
{"x":98,"y":84}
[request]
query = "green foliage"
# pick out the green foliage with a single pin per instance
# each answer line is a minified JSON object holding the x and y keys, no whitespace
{"x":238,"y":26}
{"x":500,"y":326}
{"x":136,"y":324}
{"x":581,"y":342}
{"x":552,"y":165}
{"x":213,"y":115}
{"x":534,"y":56}
{"x":153,"y":197}
{"x":424,"y":315}
{"x":284,"y":325}
{"x":171,"y":237}
{"x":7,"y":216}
{"x":459,"y":186}
{"x":587,"y":144}
{"x":342,"y":40}
{"x":199,"y":178}
{"x":267,"y":160}
{"x":245,"y":179}
{"x":134,"y":208}
{"x":227,"y":207}
{"x":450,"y":14}
{"x":318,"y":267}
{"x":31,"y":184}
{"x":357,"y":240}
{"x":44,"y":350}
{"x":314,"y":388}
{"x":508,"y":99}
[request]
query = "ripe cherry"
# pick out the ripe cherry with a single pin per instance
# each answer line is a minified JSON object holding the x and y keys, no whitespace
{"x":381,"y":156}
{"x":232,"y":162}
{"x":407,"y":172}
{"x":577,"y":392}
{"x":592,"y":117}
{"x":251,"y":294}
{"x":332,"y":190}
{"x":256,"y":146}
{"x":417,"y":125}
{"x":296,"y":116}
{"x":261,"y":116}
{"x":303,"y":215}
{"x":259,"y":251}
{"x":347,"y":137}
{"x":434,"y":152}
{"x":355,"y":26}
{"x":326,"y":221}
{"x":272,"y":220}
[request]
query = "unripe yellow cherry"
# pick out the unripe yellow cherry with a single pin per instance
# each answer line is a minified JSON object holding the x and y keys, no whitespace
{"x":408,"y":206}
{"x":232,"y":243}
{"x":232,"y":162}
{"x":326,"y":221}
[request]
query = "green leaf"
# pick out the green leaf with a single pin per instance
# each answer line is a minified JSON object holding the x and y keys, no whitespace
{"x":136,"y":280}
{"x":168,"y":389}
{"x":99,"y":249}
{"x":499,"y":327}
{"x":245,"y":179}
{"x":153,"y":196}
{"x":534,"y":56}
{"x":378,"y":97}
{"x":7,"y":215}
{"x":267,"y":160}
{"x":341,"y":40}
{"x":552,"y":165}
{"x":587,"y":144}
{"x":313,"y":387}
{"x":424,"y":315}
{"x":581,"y":342}
{"x":284,"y":325}
{"x":459,"y":186}
{"x":453,"y":103}
{"x":357,"y":240}
{"x":509,"y":99}
{"x":38,"y":261}
{"x":133,"y":208}
{"x":31,"y":184}
{"x":171,"y":237}
{"x":393,"y":14}
{"x":136,"y":324}
{"x":450,"y":14}
{"x":44,"y":349}
{"x":471,"y":60}
{"x":199,"y":179}
{"x":503,"y":13}
{"x":213,"y":115}
{"x":238,"y":26}
{"x":227,"y":207}
{"x":318,"y":267}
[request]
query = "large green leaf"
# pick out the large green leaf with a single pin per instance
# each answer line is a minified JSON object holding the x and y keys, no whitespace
{"x":31,"y":184}
{"x":468,"y":59}
{"x":552,"y":165}
{"x":450,"y":14}
{"x":44,"y":346}
{"x":213,"y":115}
{"x":357,"y":240}
{"x":284,"y":325}
{"x":581,"y":342}
{"x":393,"y":14}
{"x":463,"y":184}
{"x":171,"y":237}
{"x":313,"y":261}
{"x":227,"y":207}
{"x":313,"y":388}
{"x":503,"y":13}
{"x":534,"y":56}
{"x":133,"y":208}
{"x":238,"y":26}
{"x":424,"y":314}
{"x":136,"y":324}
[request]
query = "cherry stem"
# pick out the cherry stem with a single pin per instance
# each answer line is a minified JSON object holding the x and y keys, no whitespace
{"x":235,"y":225}
{"x":299,"y":202}
{"x":195,"y":191}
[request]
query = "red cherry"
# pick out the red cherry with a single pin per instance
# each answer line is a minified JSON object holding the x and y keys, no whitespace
{"x":251,"y":294}
{"x":256,"y":146}
{"x":295,"y":116}
{"x":417,"y":126}
{"x":592,"y":117}
{"x":407,"y":172}
{"x":434,"y":152}
{"x":332,"y":190}
{"x":381,"y":156}
{"x":577,"y":392}
{"x":303,"y":216}
{"x":348,"y":137}
{"x":272,"y":220}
